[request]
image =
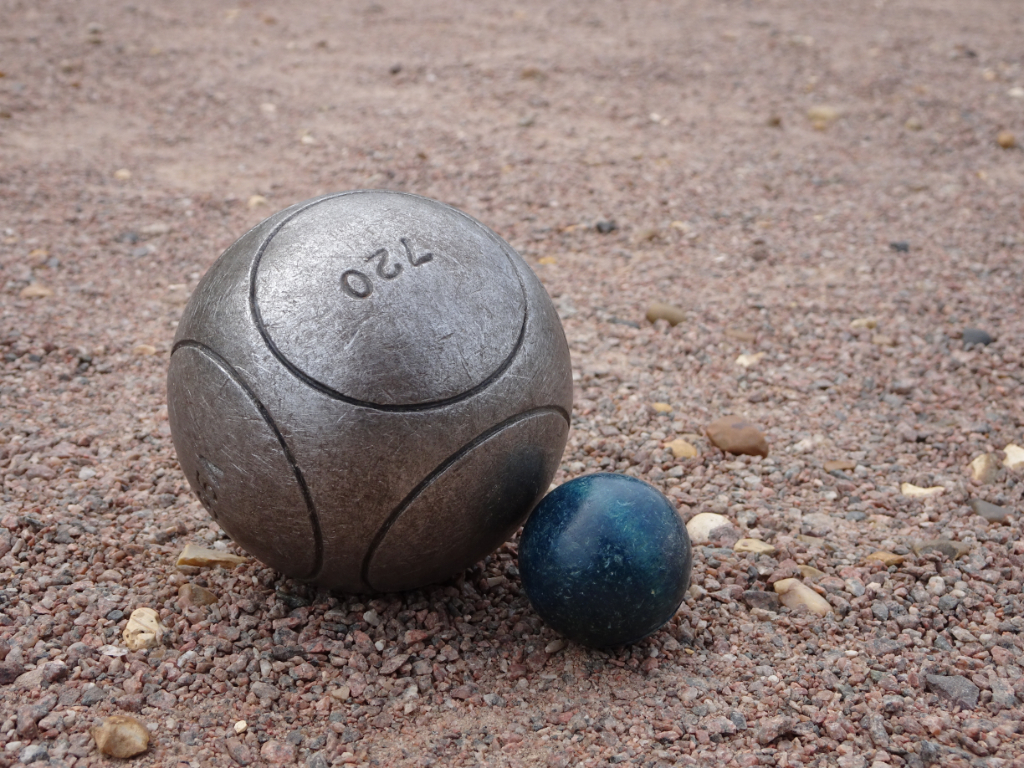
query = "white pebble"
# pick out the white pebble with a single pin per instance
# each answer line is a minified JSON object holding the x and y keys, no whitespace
{"x":937,"y":585}
{"x":703,"y":525}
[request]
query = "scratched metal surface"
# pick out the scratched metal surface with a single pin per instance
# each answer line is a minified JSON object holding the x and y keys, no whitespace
{"x":369,"y":390}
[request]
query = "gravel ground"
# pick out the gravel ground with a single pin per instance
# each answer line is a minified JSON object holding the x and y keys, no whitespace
{"x":829,"y":189}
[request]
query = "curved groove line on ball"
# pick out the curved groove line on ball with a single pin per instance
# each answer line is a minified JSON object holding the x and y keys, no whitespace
{"x":429,"y":480}
{"x":334,"y":394}
{"x":314,"y":518}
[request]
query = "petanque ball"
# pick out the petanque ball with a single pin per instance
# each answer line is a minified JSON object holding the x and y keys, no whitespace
{"x":605,"y":560}
{"x":369,"y":391}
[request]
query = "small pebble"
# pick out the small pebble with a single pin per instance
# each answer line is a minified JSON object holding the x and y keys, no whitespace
{"x":811,"y":573}
{"x":734,"y":434}
{"x":765,"y":601}
{"x":822,"y":115}
{"x":35,"y":291}
{"x":208,"y":558}
{"x":1006,"y":140}
{"x":706,"y":526}
{"x":754,"y":545}
{"x":795,"y":594}
{"x":143,"y":629}
{"x":749,"y":361}
{"x":984,"y":468}
{"x":976,"y":336}
{"x":682,"y":449}
{"x":900,"y":246}
{"x":869,"y":323}
{"x":914,"y":491}
{"x":121,"y":736}
{"x":991,"y":512}
{"x":951,"y":549}
{"x":555,"y":646}
{"x":1014,"y":457}
{"x":840,"y":465}
{"x":656,"y":310}
{"x":886,"y":558}
{"x":341,"y":693}
{"x":662,"y":407}
{"x":606,"y":226}
{"x":956,"y":689}
{"x":193,"y":594}
{"x":278,"y":752}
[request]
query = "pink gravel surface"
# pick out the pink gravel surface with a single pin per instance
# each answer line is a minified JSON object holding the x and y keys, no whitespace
{"x":776,"y":169}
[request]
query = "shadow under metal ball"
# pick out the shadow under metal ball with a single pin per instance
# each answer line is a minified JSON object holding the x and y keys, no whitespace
{"x":370,"y":391}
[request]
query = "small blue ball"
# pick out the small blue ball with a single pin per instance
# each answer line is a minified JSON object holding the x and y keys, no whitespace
{"x":605,"y":559}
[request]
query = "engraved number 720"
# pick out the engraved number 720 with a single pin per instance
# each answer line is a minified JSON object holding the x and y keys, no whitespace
{"x":359,"y":286}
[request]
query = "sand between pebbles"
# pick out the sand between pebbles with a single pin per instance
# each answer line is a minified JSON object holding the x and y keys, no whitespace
{"x":827,"y":199}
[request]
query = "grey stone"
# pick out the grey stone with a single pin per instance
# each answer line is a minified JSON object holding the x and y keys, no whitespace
{"x":757,"y":598}
{"x":976,"y":336}
{"x":1002,"y":694}
{"x":738,"y":720}
{"x":992,"y":512}
{"x":33,"y":753}
{"x":93,"y":695}
{"x":956,"y":689}
{"x":265,"y":691}
{"x":892,"y":705}
{"x":930,"y":752}
{"x":951,"y":549}
{"x":948,"y":603}
{"x":10,"y":671}
{"x":875,"y":725}
{"x":879,"y":610}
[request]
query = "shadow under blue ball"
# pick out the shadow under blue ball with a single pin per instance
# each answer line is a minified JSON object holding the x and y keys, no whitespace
{"x":605,"y":559}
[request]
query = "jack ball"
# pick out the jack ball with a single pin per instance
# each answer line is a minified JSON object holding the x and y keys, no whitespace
{"x":605,"y":560}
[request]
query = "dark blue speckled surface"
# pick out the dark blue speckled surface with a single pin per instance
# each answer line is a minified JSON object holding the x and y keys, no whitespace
{"x":605,"y":559}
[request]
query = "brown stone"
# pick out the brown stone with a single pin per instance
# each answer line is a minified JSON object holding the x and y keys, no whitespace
{"x":886,"y":558}
{"x":734,"y":434}
{"x":839,"y":464}
{"x":193,"y":594}
{"x":659,"y":311}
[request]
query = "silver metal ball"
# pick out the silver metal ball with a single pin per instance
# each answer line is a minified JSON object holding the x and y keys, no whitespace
{"x":369,"y":391}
